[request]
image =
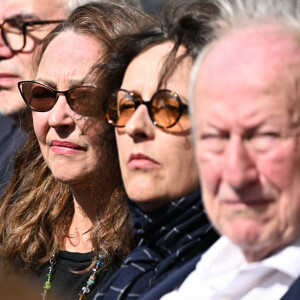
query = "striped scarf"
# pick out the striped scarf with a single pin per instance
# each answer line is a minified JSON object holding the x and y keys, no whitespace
{"x":170,"y":236}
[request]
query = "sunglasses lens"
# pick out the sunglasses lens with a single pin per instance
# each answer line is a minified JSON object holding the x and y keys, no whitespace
{"x":38,"y":97}
{"x":83,"y":101}
{"x":165,"y":108}
{"x":119,"y":108}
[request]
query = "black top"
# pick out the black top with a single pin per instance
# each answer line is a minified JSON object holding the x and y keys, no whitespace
{"x":66,"y":284}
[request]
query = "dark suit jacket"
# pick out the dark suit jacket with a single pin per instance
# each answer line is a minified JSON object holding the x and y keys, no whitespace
{"x":172,"y":281}
{"x":294,"y":291}
{"x":12,"y":139}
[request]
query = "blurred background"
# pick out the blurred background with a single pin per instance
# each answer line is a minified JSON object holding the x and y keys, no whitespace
{"x":152,"y":6}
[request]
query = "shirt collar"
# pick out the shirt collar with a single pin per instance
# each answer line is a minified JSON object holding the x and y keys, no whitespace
{"x":214,"y":263}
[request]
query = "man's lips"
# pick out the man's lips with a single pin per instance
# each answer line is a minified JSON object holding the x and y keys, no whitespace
{"x":248,"y":202}
{"x":142,"y":161}
{"x":65,"y":147}
{"x":7,"y":79}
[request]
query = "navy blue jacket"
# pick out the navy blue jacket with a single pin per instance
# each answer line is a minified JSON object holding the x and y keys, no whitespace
{"x":12,"y":139}
{"x":172,"y":281}
{"x":294,"y":291}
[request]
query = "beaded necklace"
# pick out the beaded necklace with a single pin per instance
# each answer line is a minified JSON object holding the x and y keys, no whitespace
{"x":85,"y":289}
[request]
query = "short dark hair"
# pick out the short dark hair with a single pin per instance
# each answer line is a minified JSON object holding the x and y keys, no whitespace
{"x":185,"y":24}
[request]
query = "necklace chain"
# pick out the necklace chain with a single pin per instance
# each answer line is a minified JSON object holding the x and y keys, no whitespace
{"x":85,"y":289}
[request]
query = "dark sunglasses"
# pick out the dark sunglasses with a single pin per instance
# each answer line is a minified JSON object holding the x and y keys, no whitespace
{"x":14,"y":31}
{"x":164,"y":108}
{"x":42,"y":98}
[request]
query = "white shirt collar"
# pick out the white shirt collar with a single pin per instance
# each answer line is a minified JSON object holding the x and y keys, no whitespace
{"x":216,"y":263}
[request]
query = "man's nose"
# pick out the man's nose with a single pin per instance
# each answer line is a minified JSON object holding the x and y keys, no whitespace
{"x":240,"y":168}
{"x":5,"y":51}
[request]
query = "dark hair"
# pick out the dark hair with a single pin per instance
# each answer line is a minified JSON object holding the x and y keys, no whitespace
{"x":185,"y":24}
{"x":36,"y":210}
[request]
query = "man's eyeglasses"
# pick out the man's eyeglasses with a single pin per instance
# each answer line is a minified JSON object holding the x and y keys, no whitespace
{"x":42,"y":98}
{"x":14,"y":31}
{"x":164,"y":108}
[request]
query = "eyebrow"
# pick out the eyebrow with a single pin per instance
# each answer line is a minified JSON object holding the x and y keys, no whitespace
{"x":50,"y":83}
{"x":73,"y":83}
{"x":24,"y":16}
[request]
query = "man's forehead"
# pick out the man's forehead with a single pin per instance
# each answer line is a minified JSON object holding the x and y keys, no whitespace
{"x":32,"y":9}
{"x":250,"y":54}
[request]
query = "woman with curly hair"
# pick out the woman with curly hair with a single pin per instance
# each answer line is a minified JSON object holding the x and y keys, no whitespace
{"x":64,"y":217}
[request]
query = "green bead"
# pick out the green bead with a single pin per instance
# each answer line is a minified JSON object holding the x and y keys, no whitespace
{"x":47,"y":285}
{"x":91,"y":281}
{"x":49,"y":276}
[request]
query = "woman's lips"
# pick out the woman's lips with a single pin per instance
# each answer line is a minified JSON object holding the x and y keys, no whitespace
{"x":142,"y":161}
{"x":64,"y":147}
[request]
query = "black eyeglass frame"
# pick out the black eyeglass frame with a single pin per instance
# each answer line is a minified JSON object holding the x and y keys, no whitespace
{"x":65,"y":93}
{"x":23,"y":31}
{"x":139,"y":101}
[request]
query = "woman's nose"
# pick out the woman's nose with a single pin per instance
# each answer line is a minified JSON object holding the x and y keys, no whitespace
{"x":61,"y":113}
{"x":140,"y":126}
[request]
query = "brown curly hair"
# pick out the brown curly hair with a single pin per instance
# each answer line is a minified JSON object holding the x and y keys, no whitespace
{"x":36,"y":210}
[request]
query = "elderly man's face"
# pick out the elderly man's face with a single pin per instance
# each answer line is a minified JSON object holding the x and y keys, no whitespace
{"x":247,"y":117}
{"x":16,"y":66}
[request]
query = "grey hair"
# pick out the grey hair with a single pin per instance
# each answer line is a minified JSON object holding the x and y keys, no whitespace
{"x":193,"y":79}
{"x":238,"y":14}
{"x":72,"y":4}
